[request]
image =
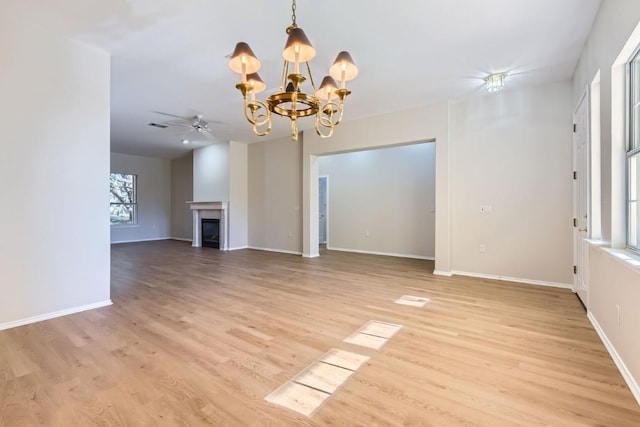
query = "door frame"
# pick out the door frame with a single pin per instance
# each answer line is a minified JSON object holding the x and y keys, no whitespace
{"x":326,"y":214}
{"x":582,"y":225}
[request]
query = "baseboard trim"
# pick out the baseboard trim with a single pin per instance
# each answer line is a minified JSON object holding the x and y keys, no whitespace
{"x":513,"y":279}
{"x":143,"y":240}
{"x":53,"y":315}
{"x":316,"y":255}
{"x":442,"y":273}
{"x":281,"y":251}
{"x":180,"y":239}
{"x":624,"y":371}
{"x":238,"y":248}
{"x":356,"y":251}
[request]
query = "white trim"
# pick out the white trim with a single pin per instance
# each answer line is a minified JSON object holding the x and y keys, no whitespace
{"x":238,"y":248}
{"x":626,"y":374}
{"x":53,"y":315}
{"x":625,"y":256}
{"x":141,"y":240}
{"x":381,"y":253}
{"x":316,"y":255}
{"x":513,"y":279}
{"x":326,"y":214}
{"x":282,"y":251}
{"x":442,"y":273}
{"x":180,"y":239}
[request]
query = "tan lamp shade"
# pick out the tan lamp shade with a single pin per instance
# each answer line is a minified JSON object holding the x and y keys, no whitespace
{"x":306,"y":52}
{"x":344,"y":62}
{"x":256,"y":82}
{"x":243,"y":50}
{"x":327,"y":90}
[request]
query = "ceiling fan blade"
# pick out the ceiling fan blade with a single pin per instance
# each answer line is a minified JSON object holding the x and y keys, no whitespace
{"x":185,"y":125}
{"x":172,"y":115}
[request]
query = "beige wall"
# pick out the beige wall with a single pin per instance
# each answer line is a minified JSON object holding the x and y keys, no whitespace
{"x":238,"y":195}
{"x":613,"y":284}
{"x":211,"y":173}
{"x":54,"y":249}
{"x":512,"y":151}
{"x":382,"y":201}
{"x":275,"y":195}
{"x":154,"y":198}
{"x":181,"y":192}
{"x":401,"y":128}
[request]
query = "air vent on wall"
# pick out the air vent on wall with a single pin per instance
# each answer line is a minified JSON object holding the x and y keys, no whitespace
{"x":158,"y":125}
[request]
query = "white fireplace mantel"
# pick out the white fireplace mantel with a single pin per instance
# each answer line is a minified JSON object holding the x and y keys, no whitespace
{"x":199,"y":210}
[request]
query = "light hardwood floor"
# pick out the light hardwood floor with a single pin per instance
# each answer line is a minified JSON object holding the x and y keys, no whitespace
{"x":200,"y":337}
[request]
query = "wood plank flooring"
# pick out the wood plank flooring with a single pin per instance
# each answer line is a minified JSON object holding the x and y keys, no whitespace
{"x":199,"y":337}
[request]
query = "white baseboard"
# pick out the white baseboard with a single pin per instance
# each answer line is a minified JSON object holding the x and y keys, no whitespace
{"x":626,"y":374}
{"x":513,"y":279}
{"x":316,"y":255}
{"x":180,"y":239}
{"x":281,"y":251}
{"x":142,"y":240}
{"x":65,"y":312}
{"x":442,"y":273}
{"x":381,"y":253}
{"x":237,"y":249}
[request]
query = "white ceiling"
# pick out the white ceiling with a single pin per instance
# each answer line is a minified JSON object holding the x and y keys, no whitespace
{"x":169,"y":55}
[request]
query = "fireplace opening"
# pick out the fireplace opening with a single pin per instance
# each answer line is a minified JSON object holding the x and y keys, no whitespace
{"x":211,"y":233}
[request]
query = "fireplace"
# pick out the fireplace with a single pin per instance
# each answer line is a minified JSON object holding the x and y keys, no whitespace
{"x":210,"y":233}
{"x":218,"y":211}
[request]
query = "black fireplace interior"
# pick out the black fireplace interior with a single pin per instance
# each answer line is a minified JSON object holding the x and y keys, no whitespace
{"x":211,"y":233}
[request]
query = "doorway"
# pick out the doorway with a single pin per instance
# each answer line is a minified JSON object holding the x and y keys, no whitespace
{"x":323,"y":200}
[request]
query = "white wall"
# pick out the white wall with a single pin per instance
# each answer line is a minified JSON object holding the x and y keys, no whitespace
{"x":512,"y":151}
{"x":612,"y":283}
{"x":211,"y":173}
{"x":154,"y":198}
{"x":54,"y":226}
{"x":382,"y":201}
{"x":614,"y":23}
{"x":275,"y":195}
{"x":238,"y":195}
{"x":181,"y":192}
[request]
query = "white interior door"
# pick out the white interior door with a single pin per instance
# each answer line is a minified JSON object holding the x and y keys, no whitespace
{"x":581,"y":200}
{"x":322,"y":206}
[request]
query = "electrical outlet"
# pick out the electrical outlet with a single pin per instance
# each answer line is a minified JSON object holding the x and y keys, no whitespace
{"x":290,"y":234}
{"x":618,"y":313}
{"x":483,"y":248}
{"x":366,"y":233}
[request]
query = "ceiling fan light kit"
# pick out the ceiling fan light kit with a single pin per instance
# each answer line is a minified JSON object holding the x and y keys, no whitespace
{"x":326,"y":102}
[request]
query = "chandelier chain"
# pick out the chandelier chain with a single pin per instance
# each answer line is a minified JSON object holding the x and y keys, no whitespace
{"x":293,"y":12}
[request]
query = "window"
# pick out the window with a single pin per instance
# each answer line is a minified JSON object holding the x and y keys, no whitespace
{"x":124,"y":205}
{"x":633,"y":156}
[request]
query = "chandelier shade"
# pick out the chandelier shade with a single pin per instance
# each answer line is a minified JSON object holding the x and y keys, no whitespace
{"x":243,"y":60}
{"x":298,"y":47}
{"x":256,"y":82}
{"x":293,"y":99}
{"x":343,"y":68}
{"x":327,"y":90}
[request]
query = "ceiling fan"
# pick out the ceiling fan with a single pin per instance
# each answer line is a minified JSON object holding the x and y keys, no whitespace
{"x":196,"y":123}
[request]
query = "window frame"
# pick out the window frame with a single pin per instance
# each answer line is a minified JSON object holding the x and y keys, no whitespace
{"x":632,"y":148}
{"x":133,"y":205}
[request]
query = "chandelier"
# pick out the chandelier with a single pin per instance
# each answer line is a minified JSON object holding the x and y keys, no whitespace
{"x":326,"y":102}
